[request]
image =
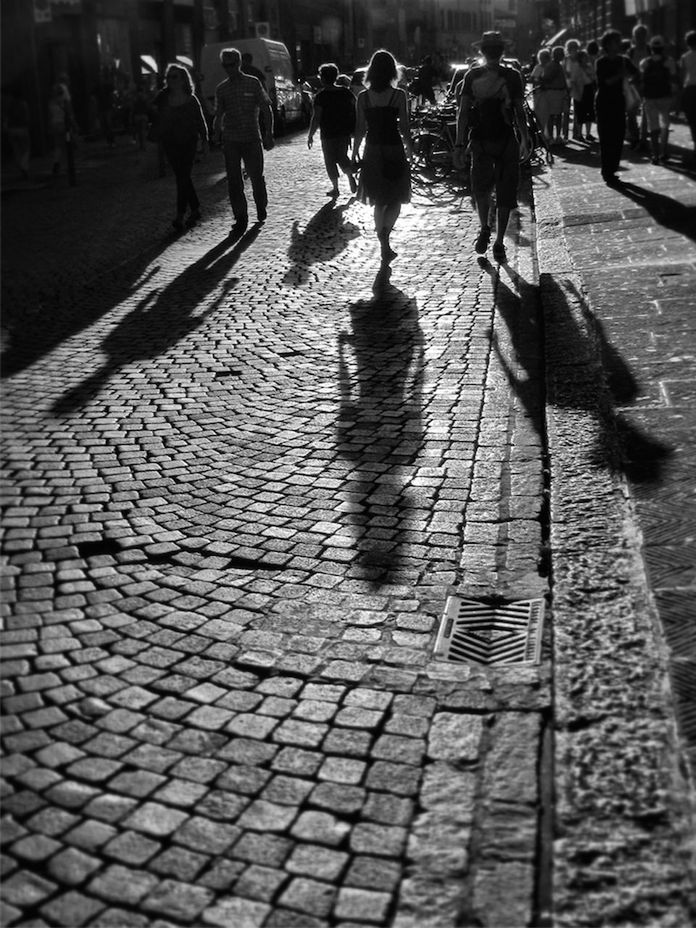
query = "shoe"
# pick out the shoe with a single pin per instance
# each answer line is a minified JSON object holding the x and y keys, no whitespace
{"x":482,"y":241}
{"x":499,"y":253}
{"x":261,"y":215}
{"x":387,"y":252}
{"x":333,"y":193}
{"x":590,"y":138}
{"x":239,"y":228}
{"x":352,"y":184}
{"x":613,"y":181}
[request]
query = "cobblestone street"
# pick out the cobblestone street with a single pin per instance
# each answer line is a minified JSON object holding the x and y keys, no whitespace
{"x":241,"y":481}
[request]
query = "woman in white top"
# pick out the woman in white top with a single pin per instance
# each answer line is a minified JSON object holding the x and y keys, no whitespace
{"x":687,"y":71}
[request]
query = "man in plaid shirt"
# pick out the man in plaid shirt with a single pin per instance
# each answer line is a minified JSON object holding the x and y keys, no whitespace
{"x":238,"y":102}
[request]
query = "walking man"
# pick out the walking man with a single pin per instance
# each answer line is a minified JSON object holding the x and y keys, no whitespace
{"x":239,"y":101}
{"x":489,"y":108}
{"x":334,"y":114}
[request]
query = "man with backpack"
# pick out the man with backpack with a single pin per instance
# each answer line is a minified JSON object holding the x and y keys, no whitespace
{"x":658,"y":77}
{"x":490,"y":108}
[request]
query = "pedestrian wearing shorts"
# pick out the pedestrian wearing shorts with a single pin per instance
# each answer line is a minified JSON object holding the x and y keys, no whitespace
{"x":239,"y":101}
{"x":490,"y":108}
{"x":334,"y":115}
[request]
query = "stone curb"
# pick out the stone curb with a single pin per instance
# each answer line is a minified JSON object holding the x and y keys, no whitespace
{"x":624,"y":816}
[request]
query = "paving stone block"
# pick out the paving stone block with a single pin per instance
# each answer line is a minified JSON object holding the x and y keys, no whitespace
{"x":90,"y":835}
{"x":246,"y":912}
{"x":363,"y":905}
{"x":71,"y":908}
{"x":310,"y":896}
{"x":260,"y":883}
{"x":180,"y":863}
{"x":378,"y":873}
{"x":122,"y":884}
{"x":455,"y":737}
{"x":129,"y":847}
{"x":246,"y":751}
{"x":109,"y":807}
{"x":339,"y":797}
{"x":25,"y":889}
{"x":202,"y":834}
{"x":320,"y":828}
{"x":71,"y":867}
{"x":178,"y":900}
{"x":155,"y":819}
{"x":342,"y":770}
{"x":348,"y":742}
{"x":400,"y":779}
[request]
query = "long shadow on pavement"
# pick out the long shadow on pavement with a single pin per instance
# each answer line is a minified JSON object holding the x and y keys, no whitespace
{"x":665,"y":210}
{"x":33,"y":331}
{"x":324,"y":237}
{"x":638,"y":455}
{"x":380,"y":424}
{"x":161,"y":318}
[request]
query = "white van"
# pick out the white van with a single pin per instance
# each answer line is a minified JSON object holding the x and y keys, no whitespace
{"x":273,"y":59}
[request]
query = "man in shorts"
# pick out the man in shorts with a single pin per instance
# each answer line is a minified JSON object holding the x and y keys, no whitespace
{"x":490,"y":107}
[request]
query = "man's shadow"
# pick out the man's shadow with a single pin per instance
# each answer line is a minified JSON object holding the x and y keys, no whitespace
{"x":162,"y":318}
{"x":67,"y":311}
{"x":325,"y":236}
{"x":380,"y":429}
{"x":667,"y":212}
{"x":620,"y":445}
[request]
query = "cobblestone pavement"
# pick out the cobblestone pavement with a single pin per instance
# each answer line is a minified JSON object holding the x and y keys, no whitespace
{"x":241,"y":480}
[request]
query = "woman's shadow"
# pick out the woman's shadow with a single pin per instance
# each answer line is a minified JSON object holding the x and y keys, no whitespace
{"x":325,"y":236}
{"x":380,"y":427}
{"x":162,"y":318}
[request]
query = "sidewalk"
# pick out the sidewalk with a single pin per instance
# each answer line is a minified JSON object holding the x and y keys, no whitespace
{"x":618,"y":277}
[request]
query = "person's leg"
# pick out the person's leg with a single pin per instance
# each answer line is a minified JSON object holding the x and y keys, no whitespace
{"x":506,"y":183}
{"x":188,"y":159}
{"x":385,"y":220}
{"x":328,"y":147}
{"x":664,"y":110}
{"x":482,"y":183}
{"x":177,"y":160}
{"x":344,"y":162}
{"x":253,"y":162}
{"x":235,"y":181}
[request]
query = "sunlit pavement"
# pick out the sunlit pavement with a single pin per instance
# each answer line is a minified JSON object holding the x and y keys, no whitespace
{"x":243,"y":478}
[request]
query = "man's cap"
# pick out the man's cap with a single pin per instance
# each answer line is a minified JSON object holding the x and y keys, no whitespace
{"x":492,"y":40}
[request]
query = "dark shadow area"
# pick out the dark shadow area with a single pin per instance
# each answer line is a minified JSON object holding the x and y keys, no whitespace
{"x":324,"y":237}
{"x":33,"y":328}
{"x":666,"y":211}
{"x":161,"y":318}
{"x":380,"y":425}
{"x":620,"y":446}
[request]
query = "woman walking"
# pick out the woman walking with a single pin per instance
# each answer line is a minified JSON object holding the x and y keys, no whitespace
{"x":611,"y":70}
{"x":180,"y":123}
{"x":382,"y":120}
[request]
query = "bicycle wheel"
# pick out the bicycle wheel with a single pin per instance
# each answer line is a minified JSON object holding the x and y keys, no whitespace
{"x":438,"y":155}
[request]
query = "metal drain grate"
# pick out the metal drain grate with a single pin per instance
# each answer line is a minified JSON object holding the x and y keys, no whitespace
{"x":491,"y":632}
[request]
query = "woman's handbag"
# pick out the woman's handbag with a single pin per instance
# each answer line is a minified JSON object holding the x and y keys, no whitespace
{"x":632,"y":98}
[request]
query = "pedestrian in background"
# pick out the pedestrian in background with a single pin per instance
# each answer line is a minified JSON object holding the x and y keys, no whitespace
{"x":239,"y":101}
{"x":558,"y":96}
{"x":636,"y":123}
{"x":140,"y":115}
{"x":573,"y":76}
{"x":15,"y":122}
{"x":658,"y":78}
{"x":542,"y":106}
{"x":583,"y":87}
{"x":687,"y":71}
{"x":180,"y":124}
{"x":334,"y":115}
{"x":248,"y":67}
{"x":490,"y":107}
{"x":382,"y":120}
{"x":612,"y":69}
{"x":61,"y":123}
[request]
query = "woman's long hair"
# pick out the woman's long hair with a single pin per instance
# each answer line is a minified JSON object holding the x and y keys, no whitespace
{"x":186,"y":82}
{"x":381,"y":72}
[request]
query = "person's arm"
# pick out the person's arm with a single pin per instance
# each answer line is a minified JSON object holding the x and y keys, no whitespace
{"x":267,"y":116}
{"x":201,"y":124}
{"x":404,"y":123}
{"x":217,"y":119}
{"x":359,"y":126}
{"x":461,"y":139}
{"x":313,"y":124}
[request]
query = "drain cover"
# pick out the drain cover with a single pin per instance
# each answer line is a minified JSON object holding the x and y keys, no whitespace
{"x":491,"y":632}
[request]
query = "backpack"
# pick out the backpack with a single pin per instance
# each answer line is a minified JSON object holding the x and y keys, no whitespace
{"x":656,"y":80}
{"x":489,"y":116}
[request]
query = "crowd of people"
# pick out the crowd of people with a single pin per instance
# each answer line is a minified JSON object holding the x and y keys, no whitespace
{"x":627,"y":88}
{"x":363,"y":122}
